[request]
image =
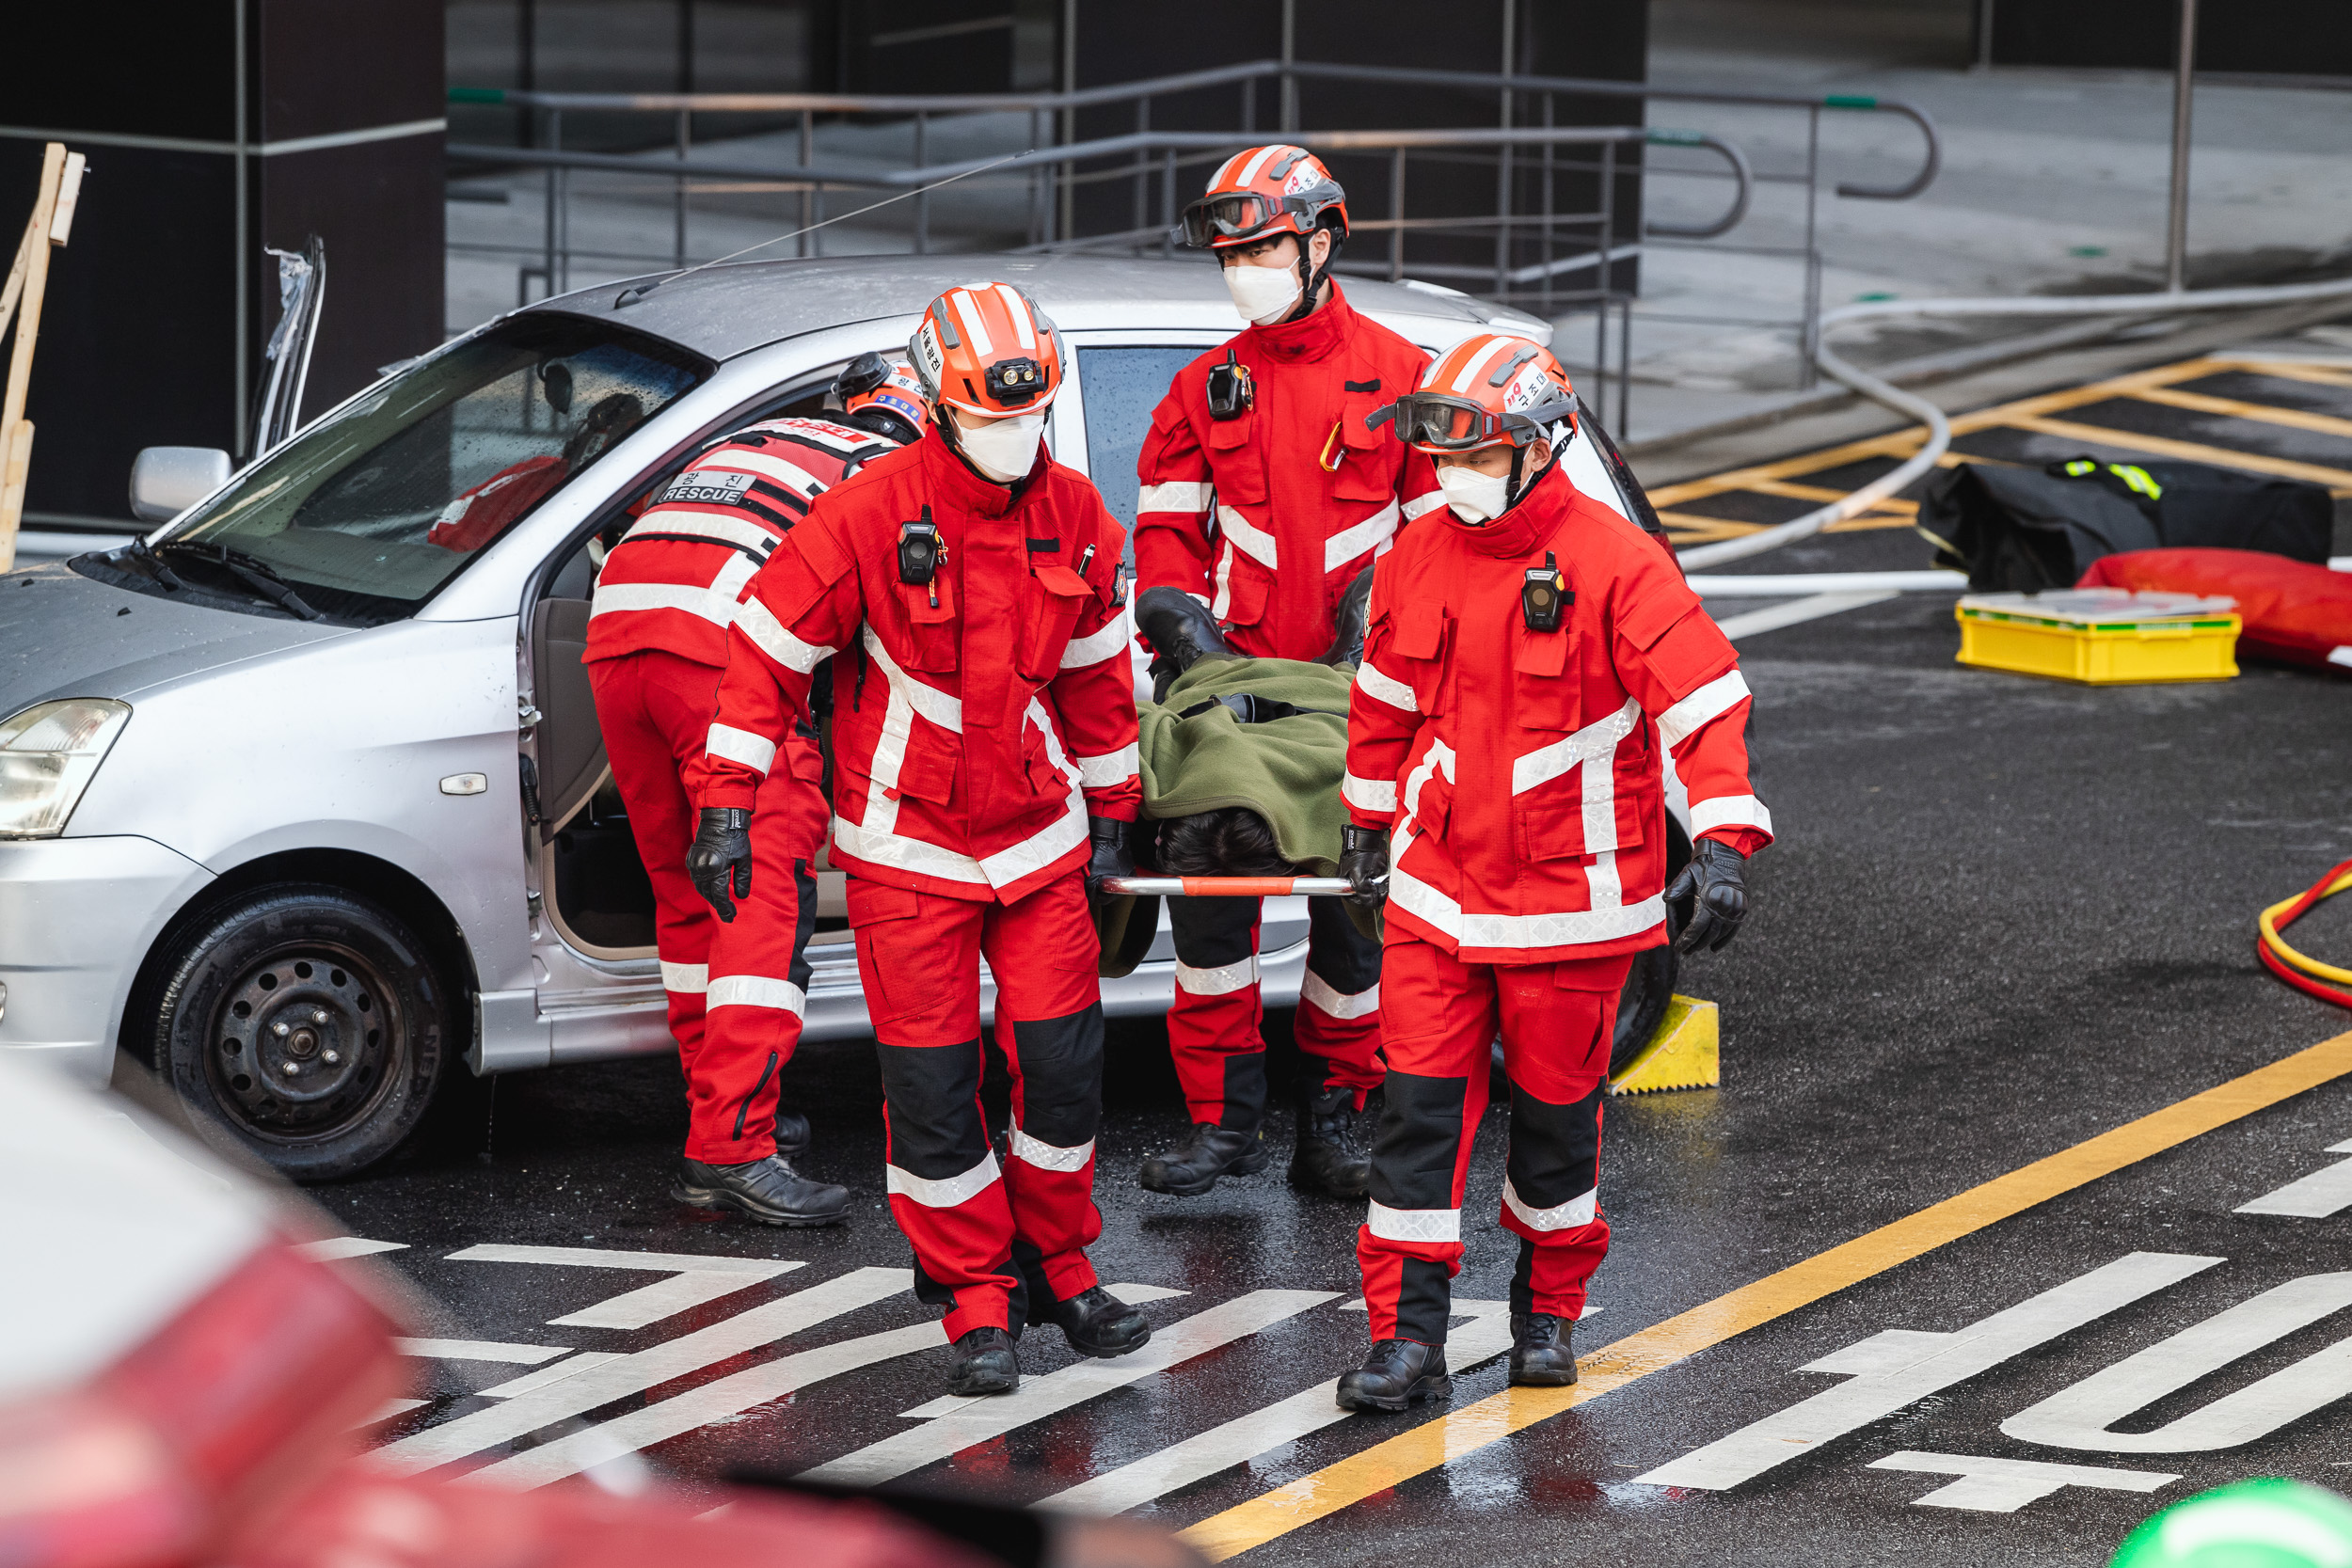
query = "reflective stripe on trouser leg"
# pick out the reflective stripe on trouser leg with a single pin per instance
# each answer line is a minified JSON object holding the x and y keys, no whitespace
{"x":651,"y":708}
{"x":1339,"y":1002}
{"x":1044,"y":952}
{"x":946,"y":1190}
{"x":1557,"y":1021}
{"x":1436,"y":1024}
{"x":1213,"y":1029}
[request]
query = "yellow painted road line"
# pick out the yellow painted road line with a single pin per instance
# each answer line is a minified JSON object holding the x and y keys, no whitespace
{"x":1817,"y":493}
{"x":2187,"y":451}
{"x":1688,"y":527}
{"x":1894,"y":444}
{"x":1419,"y":1450}
{"x":2290,"y":369}
{"x":2237,"y":408}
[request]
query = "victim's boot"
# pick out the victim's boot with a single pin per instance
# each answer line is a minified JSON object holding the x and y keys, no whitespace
{"x":983,"y":1363}
{"x":1182,"y":633}
{"x":768,"y":1191}
{"x":1095,"y":1322}
{"x":1327,"y":1158}
{"x":1397,"y":1372}
{"x":1193,"y":1166}
{"x":792,"y":1133}
{"x":1348,"y":623}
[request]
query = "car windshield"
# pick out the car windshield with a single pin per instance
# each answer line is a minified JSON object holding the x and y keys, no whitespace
{"x":368,"y":513}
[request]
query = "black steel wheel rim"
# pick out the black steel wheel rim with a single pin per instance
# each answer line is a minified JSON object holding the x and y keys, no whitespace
{"x":306,"y":1044}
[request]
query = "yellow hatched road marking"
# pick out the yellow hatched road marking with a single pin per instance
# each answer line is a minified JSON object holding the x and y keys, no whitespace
{"x":2291,"y":370}
{"x":2187,"y":451}
{"x":1419,"y":1450}
{"x":2237,"y":408}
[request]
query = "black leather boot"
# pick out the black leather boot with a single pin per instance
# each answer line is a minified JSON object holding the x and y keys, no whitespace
{"x":984,"y":1364}
{"x":1327,"y":1158}
{"x":1193,"y":1166}
{"x":1095,"y":1322}
{"x":1541,"y":1356}
{"x":1182,"y":633}
{"x":792,"y":1135}
{"x":1348,"y":623}
{"x":768,"y":1191}
{"x":1397,"y":1372}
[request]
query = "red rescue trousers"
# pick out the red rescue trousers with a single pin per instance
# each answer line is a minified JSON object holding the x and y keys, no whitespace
{"x":987,"y":1239}
{"x":1438,"y":1019}
{"x":737,"y":989}
{"x":1213,"y":1028}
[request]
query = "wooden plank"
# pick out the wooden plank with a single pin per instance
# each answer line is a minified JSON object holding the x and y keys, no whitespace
{"x":19,"y":448}
{"x":15,"y":284}
{"x":2187,"y":451}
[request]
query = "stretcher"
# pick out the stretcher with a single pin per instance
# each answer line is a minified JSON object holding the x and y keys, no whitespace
{"x":1227,"y":887}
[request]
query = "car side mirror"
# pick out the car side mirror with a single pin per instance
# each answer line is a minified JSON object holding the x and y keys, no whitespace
{"x":166,"y":481}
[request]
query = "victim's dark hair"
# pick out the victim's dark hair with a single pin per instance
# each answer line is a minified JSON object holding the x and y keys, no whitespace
{"x":1231,"y":842}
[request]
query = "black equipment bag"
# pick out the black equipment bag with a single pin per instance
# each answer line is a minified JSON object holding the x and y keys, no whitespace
{"x":2024,"y":529}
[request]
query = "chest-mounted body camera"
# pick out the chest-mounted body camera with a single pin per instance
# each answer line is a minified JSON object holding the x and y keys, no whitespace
{"x":920,"y":552}
{"x":1232,"y":393}
{"x":1545,"y":595}
{"x":1016,"y":381}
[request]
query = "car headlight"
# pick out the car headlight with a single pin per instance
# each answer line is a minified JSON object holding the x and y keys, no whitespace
{"x":48,"y":755}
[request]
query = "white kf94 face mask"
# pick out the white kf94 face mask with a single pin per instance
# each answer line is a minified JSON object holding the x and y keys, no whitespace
{"x":1264,"y":295}
{"x":1003,"y":449}
{"x":1475,"y":496}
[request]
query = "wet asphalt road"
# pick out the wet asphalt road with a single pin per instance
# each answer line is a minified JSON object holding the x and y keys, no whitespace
{"x":2002,"y":916}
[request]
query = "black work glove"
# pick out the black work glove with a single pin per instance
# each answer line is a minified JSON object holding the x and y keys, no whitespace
{"x":1714,"y":881}
{"x":1364,"y":862}
{"x":1111,"y":857}
{"x":723,"y":844}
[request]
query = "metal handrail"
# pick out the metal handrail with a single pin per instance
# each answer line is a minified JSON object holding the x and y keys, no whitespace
{"x":1153,"y":141}
{"x":1156,"y":87}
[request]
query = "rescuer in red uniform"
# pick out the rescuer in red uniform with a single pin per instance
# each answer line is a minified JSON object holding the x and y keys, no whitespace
{"x":657,"y":644}
{"x":967,"y":592}
{"x":1264,"y":494}
{"x":1529,"y":655}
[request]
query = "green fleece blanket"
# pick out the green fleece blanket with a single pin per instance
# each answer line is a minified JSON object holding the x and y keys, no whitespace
{"x":1286,"y":769}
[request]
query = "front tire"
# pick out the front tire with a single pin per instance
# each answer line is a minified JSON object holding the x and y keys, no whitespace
{"x":303,"y":1025}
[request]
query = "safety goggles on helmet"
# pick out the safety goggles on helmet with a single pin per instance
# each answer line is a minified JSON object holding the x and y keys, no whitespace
{"x":1236,"y":216}
{"x":1439,"y":421}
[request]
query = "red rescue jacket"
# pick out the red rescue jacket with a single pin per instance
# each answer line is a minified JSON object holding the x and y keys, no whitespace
{"x":1520,"y":770}
{"x":1300,"y":494}
{"x":971,"y":739}
{"x":675,"y":580}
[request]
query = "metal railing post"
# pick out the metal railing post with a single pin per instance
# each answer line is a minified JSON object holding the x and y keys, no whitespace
{"x":1604,"y":276}
{"x":678,"y":222}
{"x":1809,"y":374}
{"x":1396,"y":212}
{"x":2184,"y":100}
{"x":808,"y":151}
{"x":1143,"y":164}
{"x":1504,"y":193}
{"x":1168,"y":206}
{"x":1039,"y":174}
{"x":560,"y":279}
{"x":1551,"y":244}
{"x":554,"y":140}
{"x":923,"y":202}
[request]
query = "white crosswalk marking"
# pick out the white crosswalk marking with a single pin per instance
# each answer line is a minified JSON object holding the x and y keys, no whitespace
{"x":633,"y":1374}
{"x":976,"y":1422}
{"x":337,"y":1247}
{"x":478,"y":1350}
{"x":1892,"y":1369}
{"x":2315,"y":1197}
{"x":2006,"y":1485}
{"x":1244,"y":1437}
{"x":692,"y":1281}
{"x":555,"y":1371}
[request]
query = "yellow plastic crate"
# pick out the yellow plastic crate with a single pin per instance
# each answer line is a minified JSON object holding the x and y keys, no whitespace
{"x":2101,"y":636}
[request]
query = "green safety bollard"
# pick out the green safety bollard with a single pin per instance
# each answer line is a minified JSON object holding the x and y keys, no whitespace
{"x":2273,"y":1522}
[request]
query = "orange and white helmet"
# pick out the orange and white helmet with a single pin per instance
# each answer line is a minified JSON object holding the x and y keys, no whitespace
{"x":1484,"y":390}
{"x":987,"y":349}
{"x":886,"y":389}
{"x":1266,"y":191}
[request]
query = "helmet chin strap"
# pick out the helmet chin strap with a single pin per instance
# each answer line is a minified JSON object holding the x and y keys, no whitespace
{"x":1310,"y":282}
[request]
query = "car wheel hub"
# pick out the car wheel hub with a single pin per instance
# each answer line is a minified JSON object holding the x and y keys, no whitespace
{"x":303,"y":1044}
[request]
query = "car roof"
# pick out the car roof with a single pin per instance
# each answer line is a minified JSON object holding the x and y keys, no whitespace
{"x":724,"y":311}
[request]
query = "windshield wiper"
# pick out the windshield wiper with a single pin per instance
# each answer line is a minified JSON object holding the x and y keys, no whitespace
{"x":151,"y":563}
{"x":250,"y":570}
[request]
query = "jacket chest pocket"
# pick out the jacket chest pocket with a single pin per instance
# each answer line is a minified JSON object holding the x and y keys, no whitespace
{"x":1421,"y":644}
{"x":1547,"y":690}
{"x":1566,"y":795}
{"x":934,"y":632}
{"x":1237,"y":464}
{"x":1367,"y":461}
{"x":1055,"y":597}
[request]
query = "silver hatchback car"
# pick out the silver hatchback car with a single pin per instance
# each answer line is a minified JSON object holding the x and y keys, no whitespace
{"x":302,"y":798}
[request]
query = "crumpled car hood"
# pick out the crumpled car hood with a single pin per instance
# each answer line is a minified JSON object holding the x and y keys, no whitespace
{"x":65,"y":634}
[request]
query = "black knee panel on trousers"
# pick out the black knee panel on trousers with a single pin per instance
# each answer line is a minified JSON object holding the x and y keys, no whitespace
{"x":935,"y":1130}
{"x":1213,"y":932}
{"x":1424,"y":1294}
{"x":1339,"y":955}
{"x":1555,"y":1149}
{"x":1420,"y":1133}
{"x":1061,"y":1076}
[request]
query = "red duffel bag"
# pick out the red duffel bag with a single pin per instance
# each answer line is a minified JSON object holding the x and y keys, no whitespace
{"x":2294,"y":611}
